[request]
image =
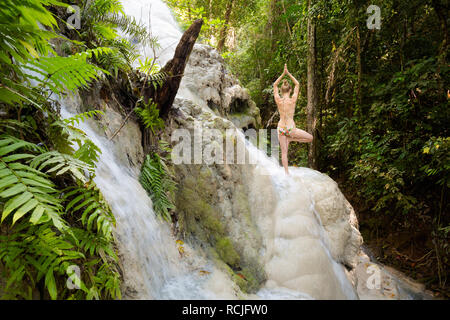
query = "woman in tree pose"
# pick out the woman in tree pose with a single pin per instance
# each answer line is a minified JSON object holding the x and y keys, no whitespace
{"x":287,"y":131}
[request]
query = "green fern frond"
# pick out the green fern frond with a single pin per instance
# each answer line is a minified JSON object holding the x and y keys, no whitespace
{"x":31,"y":253}
{"x":128,"y":50}
{"x":61,"y":163}
{"x":104,"y":30}
{"x":83,"y":117}
{"x":12,"y":92}
{"x":149,"y":115}
{"x":15,"y":126}
{"x":64,"y":73}
{"x":64,"y":135}
{"x":152,"y":72}
{"x":156,"y":180}
{"x":95,"y":52}
{"x":98,"y":8}
{"x":94,"y":244}
{"x":128,"y":25}
{"x":24,"y":189}
{"x":148,"y":66}
{"x":88,"y":153}
{"x":110,"y":283}
{"x":114,"y":61}
{"x":157,"y":79}
{"x":21,"y":38}
{"x":14,"y":144}
{"x":164,"y":146}
{"x":95,"y":212}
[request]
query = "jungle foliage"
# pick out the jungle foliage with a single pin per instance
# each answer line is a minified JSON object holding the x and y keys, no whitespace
{"x":383,"y":111}
{"x":56,"y":229}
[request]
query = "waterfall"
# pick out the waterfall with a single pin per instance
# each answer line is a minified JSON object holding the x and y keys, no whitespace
{"x":150,"y":258}
{"x":297,"y":261}
{"x":297,"y":256}
{"x":158,"y":19}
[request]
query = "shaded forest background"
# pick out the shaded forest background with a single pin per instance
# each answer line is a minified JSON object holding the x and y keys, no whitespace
{"x":376,"y":100}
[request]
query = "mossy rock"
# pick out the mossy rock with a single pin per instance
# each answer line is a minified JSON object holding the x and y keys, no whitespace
{"x":199,"y":216}
{"x":227,"y":252}
{"x":246,"y":281}
{"x":195,"y":205}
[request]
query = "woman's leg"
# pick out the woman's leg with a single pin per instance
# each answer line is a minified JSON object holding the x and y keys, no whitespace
{"x":284,"y":144}
{"x":300,"y":135}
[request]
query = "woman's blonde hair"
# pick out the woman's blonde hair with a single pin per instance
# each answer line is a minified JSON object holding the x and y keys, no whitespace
{"x":286,"y":87}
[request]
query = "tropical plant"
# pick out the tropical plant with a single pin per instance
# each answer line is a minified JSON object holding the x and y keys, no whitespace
{"x":157,"y":179}
{"x":40,"y":237}
{"x":149,"y":115}
{"x":102,"y":20}
{"x":31,"y":207}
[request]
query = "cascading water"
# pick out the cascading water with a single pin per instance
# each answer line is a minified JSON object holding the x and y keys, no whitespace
{"x":156,"y":16}
{"x":297,"y":261}
{"x":297,"y":255}
{"x":150,"y":258}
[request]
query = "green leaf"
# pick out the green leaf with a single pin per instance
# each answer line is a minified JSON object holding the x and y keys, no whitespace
{"x":37,"y":214}
{"x":15,"y":202}
{"x":24,"y":209}
{"x":51,"y":284}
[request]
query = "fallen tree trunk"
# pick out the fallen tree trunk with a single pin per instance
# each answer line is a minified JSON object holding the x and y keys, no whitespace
{"x":164,"y":95}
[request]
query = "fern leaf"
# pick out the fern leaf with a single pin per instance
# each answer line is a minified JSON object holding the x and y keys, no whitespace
{"x":93,"y":207}
{"x":83,"y":117}
{"x":158,"y":184}
{"x":23,"y":188}
{"x":64,"y":73}
{"x":64,"y":162}
{"x":149,"y":115}
{"x":88,"y":153}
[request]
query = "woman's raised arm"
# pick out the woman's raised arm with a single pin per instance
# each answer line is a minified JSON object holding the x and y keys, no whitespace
{"x":276,"y":94}
{"x":297,"y":86}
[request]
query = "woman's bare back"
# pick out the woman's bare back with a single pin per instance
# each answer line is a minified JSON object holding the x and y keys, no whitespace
{"x":286,"y":108}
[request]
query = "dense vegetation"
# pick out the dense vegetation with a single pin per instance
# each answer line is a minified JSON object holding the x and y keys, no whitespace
{"x":56,"y":229}
{"x":380,"y":107}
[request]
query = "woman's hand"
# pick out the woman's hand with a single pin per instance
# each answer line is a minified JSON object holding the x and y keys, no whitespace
{"x":285,"y":69}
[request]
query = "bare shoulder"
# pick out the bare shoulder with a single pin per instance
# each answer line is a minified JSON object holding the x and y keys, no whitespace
{"x":292,"y":101}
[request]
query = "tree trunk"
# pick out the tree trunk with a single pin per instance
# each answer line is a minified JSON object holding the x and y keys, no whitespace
{"x":269,"y":30}
{"x":164,"y":95}
{"x":359,"y":66}
{"x":189,"y":10}
{"x":312,"y":97}
{"x":290,"y":32}
{"x":223,"y":32}
{"x":174,"y":69}
{"x":209,"y":9}
{"x":441,"y":11}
